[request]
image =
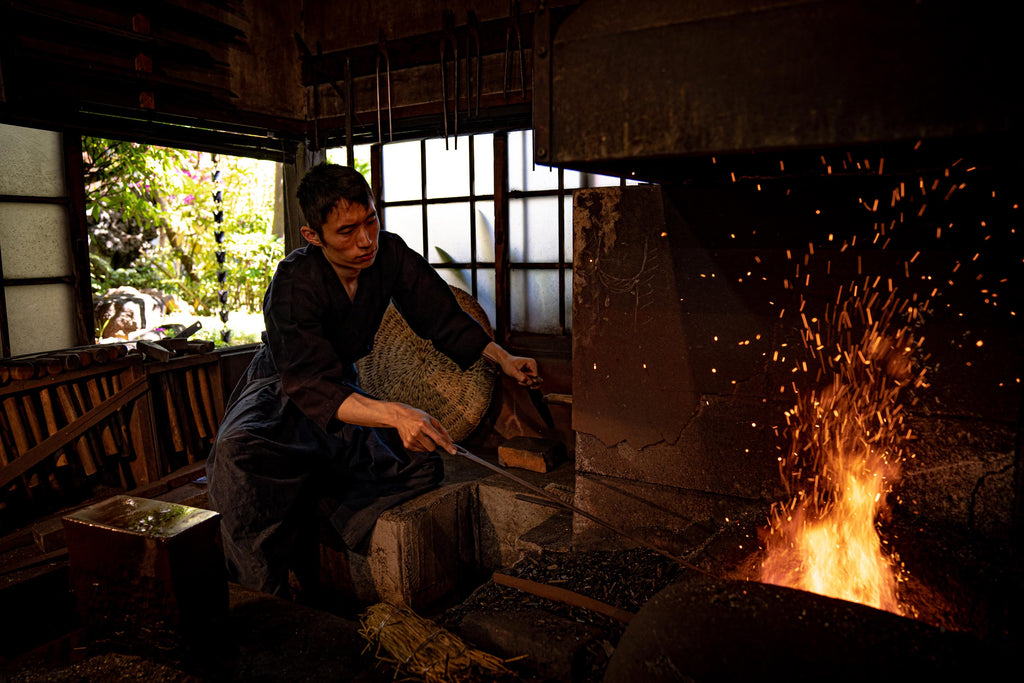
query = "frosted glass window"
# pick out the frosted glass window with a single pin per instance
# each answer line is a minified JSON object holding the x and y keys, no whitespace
{"x":448,"y":233}
{"x":31,"y":162}
{"x":572,"y":179}
{"x":522,"y":174}
{"x":484,"y":287}
{"x":485,"y":232}
{"x":40,"y":317}
{"x":567,"y":301}
{"x":33,"y":239}
{"x":533,"y":229}
{"x":567,"y":230}
{"x":457,"y":277}
{"x":402,"y":179}
{"x":406,"y":222}
{"x":483,"y":164}
{"x":447,"y":169}
{"x":534,"y":299}
{"x":604,"y":181}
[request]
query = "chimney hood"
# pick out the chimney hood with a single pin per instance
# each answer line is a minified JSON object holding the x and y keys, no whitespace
{"x":636,"y":88}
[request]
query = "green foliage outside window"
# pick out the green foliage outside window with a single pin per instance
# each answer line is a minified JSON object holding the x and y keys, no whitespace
{"x":151,"y":214}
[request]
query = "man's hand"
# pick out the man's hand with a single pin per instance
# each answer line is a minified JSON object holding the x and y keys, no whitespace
{"x":419,"y":431}
{"x":519,"y":368}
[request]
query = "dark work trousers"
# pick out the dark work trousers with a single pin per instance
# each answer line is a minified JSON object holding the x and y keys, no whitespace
{"x":271,"y":469}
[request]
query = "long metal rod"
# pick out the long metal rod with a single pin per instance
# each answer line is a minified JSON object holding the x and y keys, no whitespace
{"x":569,"y":506}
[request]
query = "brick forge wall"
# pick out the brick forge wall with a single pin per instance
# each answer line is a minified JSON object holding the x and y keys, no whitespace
{"x":683,"y":294}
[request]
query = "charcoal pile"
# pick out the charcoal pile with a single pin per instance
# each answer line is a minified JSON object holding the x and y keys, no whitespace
{"x":559,"y":640}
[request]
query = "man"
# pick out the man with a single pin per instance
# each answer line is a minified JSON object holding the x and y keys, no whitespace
{"x":298,"y":433}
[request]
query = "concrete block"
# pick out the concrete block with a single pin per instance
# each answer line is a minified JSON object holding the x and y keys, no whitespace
{"x":531,"y":453}
{"x":418,"y":552}
{"x":427,"y":548}
{"x":503,"y":518}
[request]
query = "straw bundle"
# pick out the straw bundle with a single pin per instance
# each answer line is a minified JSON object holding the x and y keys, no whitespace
{"x":418,"y":647}
{"x":407,"y":368}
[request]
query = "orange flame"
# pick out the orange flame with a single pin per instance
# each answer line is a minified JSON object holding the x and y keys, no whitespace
{"x":847,"y":443}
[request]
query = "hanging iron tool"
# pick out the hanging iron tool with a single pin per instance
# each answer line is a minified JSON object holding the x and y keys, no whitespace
{"x":448,"y":40}
{"x":316,"y":99}
{"x":350,"y":111}
{"x":316,"y":65}
{"x":472,"y":74}
{"x":512,"y":29}
{"x":382,"y":57}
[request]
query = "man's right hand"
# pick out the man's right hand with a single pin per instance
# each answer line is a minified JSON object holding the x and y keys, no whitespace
{"x":419,"y":431}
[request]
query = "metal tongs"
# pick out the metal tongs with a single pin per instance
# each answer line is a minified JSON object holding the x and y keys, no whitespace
{"x":448,"y":40}
{"x":382,"y":57}
{"x":472,"y":63}
{"x":512,"y":29}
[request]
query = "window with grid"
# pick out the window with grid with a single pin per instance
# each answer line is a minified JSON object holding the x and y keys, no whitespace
{"x":440,"y":198}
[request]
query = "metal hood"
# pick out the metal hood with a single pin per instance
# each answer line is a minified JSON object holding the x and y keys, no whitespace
{"x":631,"y":88}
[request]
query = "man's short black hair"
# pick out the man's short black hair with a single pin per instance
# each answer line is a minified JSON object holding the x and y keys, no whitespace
{"x":324,"y":186}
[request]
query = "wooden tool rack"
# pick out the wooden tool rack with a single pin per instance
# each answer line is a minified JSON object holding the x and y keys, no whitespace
{"x":82,"y":423}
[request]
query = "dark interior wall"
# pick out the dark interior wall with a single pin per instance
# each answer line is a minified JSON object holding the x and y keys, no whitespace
{"x":215,"y":76}
{"x":265,"y":72}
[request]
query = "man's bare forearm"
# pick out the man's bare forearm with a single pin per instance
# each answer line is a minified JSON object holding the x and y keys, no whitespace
{"x":358,"y":409}
{"x":419,"y":430}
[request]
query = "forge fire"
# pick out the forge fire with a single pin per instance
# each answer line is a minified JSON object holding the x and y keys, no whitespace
{"x":847,"y":442}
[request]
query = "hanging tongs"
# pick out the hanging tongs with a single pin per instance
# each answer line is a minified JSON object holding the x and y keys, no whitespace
{"x":512,"y":30}
{"x":385,"y":60}
{"x":449,"y":42}
{"x":472,"y":63}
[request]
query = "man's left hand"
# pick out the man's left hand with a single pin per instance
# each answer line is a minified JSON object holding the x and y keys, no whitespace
{"x":519,"y":368}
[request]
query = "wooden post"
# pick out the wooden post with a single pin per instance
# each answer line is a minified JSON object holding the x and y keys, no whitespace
{"x":503,"y":308}
{"x":74,"y":181}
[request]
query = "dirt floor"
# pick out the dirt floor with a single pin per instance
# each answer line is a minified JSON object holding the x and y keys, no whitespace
{"x":956,"y":582}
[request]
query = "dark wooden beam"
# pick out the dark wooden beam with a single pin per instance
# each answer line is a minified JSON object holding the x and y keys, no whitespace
{"x":74,"y":181}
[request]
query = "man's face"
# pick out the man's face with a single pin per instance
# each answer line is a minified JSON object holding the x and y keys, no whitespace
{"x":349,"y":238}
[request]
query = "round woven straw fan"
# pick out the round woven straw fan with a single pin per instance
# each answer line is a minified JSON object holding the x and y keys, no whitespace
{"x":405,"y":367}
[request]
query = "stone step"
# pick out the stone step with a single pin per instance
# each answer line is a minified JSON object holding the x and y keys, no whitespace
{"x":447,"y":540}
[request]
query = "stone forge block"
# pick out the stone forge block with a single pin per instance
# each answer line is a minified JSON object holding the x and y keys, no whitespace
{"x":677,"y":520}
{"x":141,"y":566}
{"x":419,"y":552}
{"x":503,"y":516}
{"x":531,"y":453}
